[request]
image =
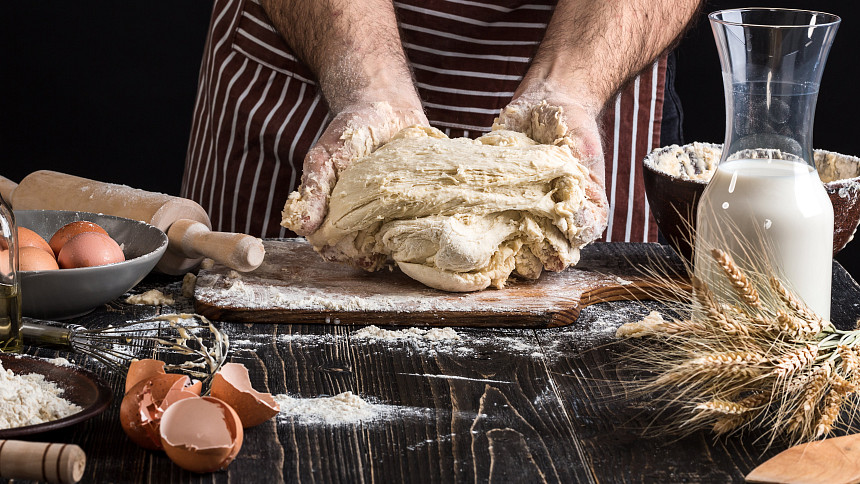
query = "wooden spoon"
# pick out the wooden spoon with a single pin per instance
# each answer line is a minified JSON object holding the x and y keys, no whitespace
{"x":828,"y":461}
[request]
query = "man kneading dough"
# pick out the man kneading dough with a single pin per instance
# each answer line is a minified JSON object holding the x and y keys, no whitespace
{"x":459,"y":214}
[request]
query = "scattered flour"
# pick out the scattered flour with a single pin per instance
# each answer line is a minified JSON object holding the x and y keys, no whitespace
{"x":344,"y":408}
{"x":30,"y":400}
{"x":153,"y":297}
{"x":59,"y":361}
{"x":596,"y":325}
{"x":435,"y":334}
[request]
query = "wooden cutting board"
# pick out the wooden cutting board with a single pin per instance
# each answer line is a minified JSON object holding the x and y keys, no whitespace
{"x":294,"y":285}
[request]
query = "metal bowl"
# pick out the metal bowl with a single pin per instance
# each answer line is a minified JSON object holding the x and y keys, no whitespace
{"x":66,"y":293}
{"x":673,"y":200}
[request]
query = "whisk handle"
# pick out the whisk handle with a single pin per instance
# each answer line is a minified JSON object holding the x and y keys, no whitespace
{"x":43,"y":335}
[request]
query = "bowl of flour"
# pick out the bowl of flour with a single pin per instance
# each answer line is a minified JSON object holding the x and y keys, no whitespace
{"x":38,"y":395}
{"x":675,"y":177}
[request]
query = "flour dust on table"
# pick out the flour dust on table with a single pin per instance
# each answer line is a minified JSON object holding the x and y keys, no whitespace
{"x":341,"y":409}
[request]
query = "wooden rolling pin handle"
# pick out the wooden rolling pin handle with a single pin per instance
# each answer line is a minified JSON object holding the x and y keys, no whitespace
{"x":7,"y":186}
{"x":39,"y":461}
{"x":241,"y":252}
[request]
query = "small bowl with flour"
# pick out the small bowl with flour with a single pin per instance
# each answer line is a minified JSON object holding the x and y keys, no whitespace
{"x":675,"y":177}
{"x":40,"y":395}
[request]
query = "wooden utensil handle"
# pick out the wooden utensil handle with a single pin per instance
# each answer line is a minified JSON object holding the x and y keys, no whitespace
{"x":41,"y":461}
{"x":241,"y":252}
{"x":7,"y":186}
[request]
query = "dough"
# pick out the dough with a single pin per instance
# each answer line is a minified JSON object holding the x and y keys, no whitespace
{"x":457,"y":214}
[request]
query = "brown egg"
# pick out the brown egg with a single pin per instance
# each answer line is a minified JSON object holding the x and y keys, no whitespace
{"x":35,"y":259}
{"x":69,"y":231}
{"x":89,"y":249}
{"x":201,"y":434}
{"x":28,"y":238}
{"x":143,"y":405}
{"x":233,"y":385}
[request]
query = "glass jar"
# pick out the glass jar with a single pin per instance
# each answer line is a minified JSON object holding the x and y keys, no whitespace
{"x":765,"y":205}
{"x":10,"y":289}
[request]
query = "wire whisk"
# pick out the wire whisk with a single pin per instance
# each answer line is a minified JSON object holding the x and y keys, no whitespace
{"x":187,"y":343}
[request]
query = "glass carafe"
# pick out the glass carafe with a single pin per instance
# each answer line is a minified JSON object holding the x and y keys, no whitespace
{"x":765,"y":205}
{"x":10,"y":292}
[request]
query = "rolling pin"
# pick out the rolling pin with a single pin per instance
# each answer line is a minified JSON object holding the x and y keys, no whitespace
{"x":185,"y":222}
{"x":38,"y":461}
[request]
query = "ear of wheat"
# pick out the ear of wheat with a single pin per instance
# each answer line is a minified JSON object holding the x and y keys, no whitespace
{"x":760,"y":359}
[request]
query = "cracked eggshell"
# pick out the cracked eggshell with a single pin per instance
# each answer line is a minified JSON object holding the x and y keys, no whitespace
{"x":141,"y":369}
{"x":233,"y":385}
{"x":143,"y":405}
{"x":201,"y":434}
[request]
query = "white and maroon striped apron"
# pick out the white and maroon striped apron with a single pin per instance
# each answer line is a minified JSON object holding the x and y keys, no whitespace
{"x":259,"y":110}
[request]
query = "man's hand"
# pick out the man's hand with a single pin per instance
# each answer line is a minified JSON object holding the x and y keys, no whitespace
{"x":353,"y":47}
{"x":550,"y":116}
{"x":356,"y":131}
{"x":590,"y":50}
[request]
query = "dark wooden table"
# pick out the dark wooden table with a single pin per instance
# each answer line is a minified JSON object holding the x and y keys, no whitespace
{"x":513,"y":405}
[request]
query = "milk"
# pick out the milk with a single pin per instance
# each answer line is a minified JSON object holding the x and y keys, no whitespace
{"x":781,"y":213}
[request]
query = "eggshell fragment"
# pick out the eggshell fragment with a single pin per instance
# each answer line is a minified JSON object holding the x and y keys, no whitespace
{"x":233,"y":385}
{"x":143,"y":405}
{"x":201,"y":434}
{"x":69,"y":231}
{"x":35,"y":259}
{"x":29,"y":238}
{"x":89,"y":249}
{"x":141,"y":369}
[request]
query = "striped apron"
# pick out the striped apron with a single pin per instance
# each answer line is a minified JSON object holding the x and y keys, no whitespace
{"x":259,"y":110}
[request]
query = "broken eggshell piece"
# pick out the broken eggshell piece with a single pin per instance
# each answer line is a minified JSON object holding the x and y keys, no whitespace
{"x":142,"y":369}
{"x":232,"y":384}
{"x":201,"y":434}
{"x":143,"y":405}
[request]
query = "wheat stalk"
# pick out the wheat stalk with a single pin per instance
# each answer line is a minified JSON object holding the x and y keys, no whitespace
{"x":760,"y":358}
{"x":736,"y":277}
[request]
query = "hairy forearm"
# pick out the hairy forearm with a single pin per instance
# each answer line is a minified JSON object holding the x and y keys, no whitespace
{"x":353,"y":46}
{"x":591,"y":48}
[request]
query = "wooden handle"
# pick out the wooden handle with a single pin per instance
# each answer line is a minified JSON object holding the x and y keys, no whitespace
{"x":39,"y":461}
{"x":241,"y":252}
{"x":7,"y":187}
{"x":51,"y":190}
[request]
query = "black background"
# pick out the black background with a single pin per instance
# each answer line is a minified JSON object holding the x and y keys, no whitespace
{"x":105,"y":90}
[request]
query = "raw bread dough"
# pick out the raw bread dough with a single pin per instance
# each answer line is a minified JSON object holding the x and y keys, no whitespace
{"x":457,"y":214}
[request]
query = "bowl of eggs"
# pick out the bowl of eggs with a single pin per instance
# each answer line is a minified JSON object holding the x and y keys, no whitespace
{"x":72,"y":262}
{"x":675,"y":177}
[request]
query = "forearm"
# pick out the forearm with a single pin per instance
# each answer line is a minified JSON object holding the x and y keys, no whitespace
{"x":591,"y":48}
{"x":352,"y":46}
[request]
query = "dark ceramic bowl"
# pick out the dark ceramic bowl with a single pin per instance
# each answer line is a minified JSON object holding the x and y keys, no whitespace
{"x":673,"y":200}
{"x":67,"y":293}
{"x":80,"y":386}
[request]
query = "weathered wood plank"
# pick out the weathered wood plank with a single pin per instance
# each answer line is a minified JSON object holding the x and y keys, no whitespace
{"x":613,"y":426}
{"x":502,"y":405}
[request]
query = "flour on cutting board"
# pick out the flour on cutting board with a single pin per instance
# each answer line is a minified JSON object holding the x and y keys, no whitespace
{"x":235,"y":292}
{"x":294,"y":277}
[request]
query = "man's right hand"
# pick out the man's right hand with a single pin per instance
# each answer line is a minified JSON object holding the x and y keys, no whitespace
{"x":356,"y":131}
{"x":354,"y":49}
